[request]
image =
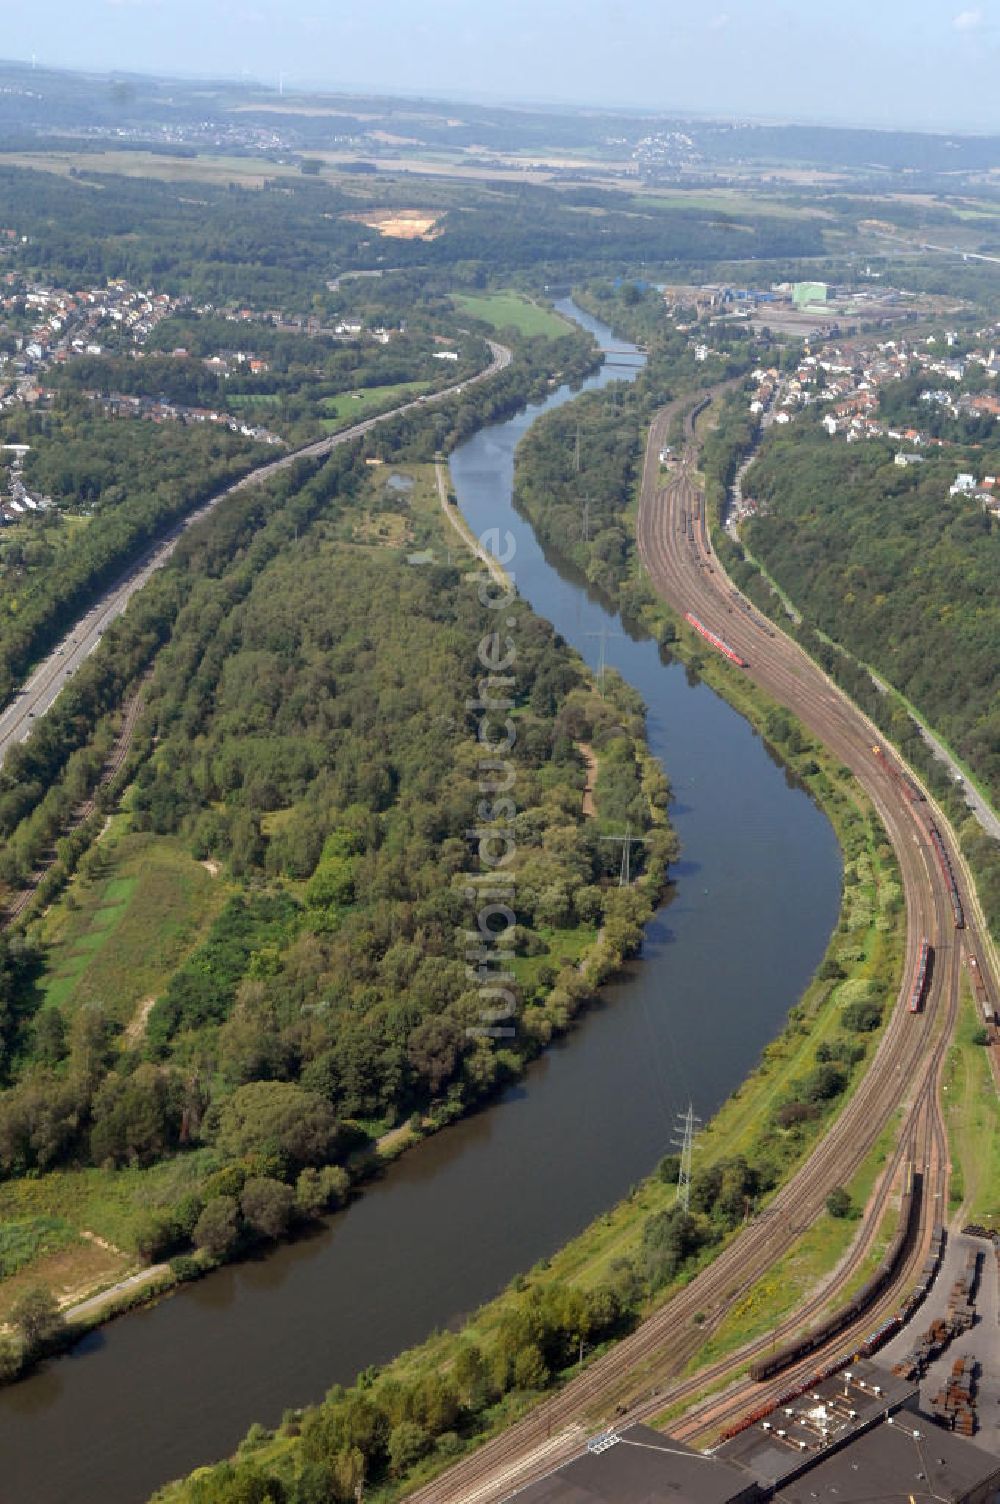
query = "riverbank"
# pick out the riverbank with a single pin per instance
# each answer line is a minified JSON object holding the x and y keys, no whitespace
{"x":609,"y":1261}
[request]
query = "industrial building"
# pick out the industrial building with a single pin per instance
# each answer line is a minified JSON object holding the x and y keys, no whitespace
{"x":857,"y":1438}
{"x":806,"y":293}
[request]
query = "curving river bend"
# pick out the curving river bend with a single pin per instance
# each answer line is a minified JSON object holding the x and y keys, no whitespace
{"x":757,"y":895}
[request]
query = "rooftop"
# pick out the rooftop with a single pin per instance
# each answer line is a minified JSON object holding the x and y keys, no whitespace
{"x":643,"y":1467}
{"x":908,"y":1461}
{"x":792,"y":1438}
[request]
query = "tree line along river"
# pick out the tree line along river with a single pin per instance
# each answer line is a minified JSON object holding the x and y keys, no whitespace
{"x":756,"y":898}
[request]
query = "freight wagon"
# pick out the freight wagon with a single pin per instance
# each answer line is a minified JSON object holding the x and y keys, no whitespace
{"x":944,"y":862}
{"x":847,"y":1314}
{"x":911,"y":791}
{"x":979,"y":988}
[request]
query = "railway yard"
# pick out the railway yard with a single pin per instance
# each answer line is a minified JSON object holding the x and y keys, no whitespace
{"x":644,"y":1377}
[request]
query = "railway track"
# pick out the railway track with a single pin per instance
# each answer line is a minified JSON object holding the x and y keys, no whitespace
{"x":123,"y":741}
{"x":640,"y":1376}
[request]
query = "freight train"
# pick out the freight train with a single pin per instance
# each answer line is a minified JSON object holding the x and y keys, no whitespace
{"x":875,"y":1340}
{"x":944,"y":862}
{"x":716,"y":642}
{"x":920,"y":977}
{"x":847,"y":1314}
{"x":914,"y":795}
{"x":911,"y":791}
{"x":979,"y":988}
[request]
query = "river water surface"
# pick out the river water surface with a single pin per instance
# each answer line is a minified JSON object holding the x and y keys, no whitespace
{"x":757,"y":893}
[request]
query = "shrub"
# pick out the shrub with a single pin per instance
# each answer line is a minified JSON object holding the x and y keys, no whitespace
{"x":36,"y":1319}
{"x":839,"y":1203}
{"x":218,"y":1226}
{"x":185,"y":1268}
{"x":267,"y":1206}
{"x":408,"y":1442}
{"x":863,"y":1018}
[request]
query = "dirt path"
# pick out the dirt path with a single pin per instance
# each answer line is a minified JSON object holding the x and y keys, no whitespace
{"x":496,"y":571}
{"x":587,"y":753}
{"x":137,"y":1024}
{"x":95,"y":1303}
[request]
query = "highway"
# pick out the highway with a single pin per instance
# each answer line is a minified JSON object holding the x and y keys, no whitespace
{"x":40,"y":691}
{"x":639,"y":1376}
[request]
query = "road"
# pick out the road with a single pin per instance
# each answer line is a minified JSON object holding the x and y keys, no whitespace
{"x":40,"y":691}
{"x":640,"y":1374}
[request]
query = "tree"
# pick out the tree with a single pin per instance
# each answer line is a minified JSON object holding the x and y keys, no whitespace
{"x":50,"y":1036}
{"x":408,"y":1442}
{"x":472,"y":1377}
{"x":277,"y":1120}
{"x":530,"y":1371}
{"x":317,"y":1190}
{"x":137,"y":1118}
{"x":36,"y":1318}
{"x":267,"y":1206}
{"x":434,"y":1050}
{"x":217,"y":1228}
{"x":839,"y":1203}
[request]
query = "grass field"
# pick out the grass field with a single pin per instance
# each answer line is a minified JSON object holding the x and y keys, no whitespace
{"x":725,"y":201}
{"x":247,"y":172}
{"x":351,"y":407}
{"x":113,"y":938}
{"x":117,"y":934}
{"x":972,"y":1113}
{"x":252,"y":402}
{"x":75,"y":1231}
{"x":818,"y":1251}
{"x":511,"y":310}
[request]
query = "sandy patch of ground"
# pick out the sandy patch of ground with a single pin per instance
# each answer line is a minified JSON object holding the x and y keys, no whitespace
{"x":137,"y":1028}
{"x":71,"y":1274}
{"x":399,"y":224}
{"x":211,"y":866}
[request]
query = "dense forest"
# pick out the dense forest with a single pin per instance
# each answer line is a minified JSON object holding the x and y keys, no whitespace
{"x":309,"y":735}
{"x":884,"y":561}
{"x":117,"y":487}
{"x":266,"y":246}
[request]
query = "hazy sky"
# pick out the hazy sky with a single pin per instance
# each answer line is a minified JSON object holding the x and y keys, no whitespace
{"x":930,"y":63}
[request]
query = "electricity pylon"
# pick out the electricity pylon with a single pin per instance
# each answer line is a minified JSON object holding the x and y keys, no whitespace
{"x":686,"y":1127}
{"x":603,"y":634}
{"x":627,"y":841}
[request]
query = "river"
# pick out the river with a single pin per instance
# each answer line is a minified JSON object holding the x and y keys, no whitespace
{"x":757,"y":896}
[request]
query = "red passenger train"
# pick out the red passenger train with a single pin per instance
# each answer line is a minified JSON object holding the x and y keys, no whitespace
{"x":920,"y":977}
{"x":716,"y":642}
